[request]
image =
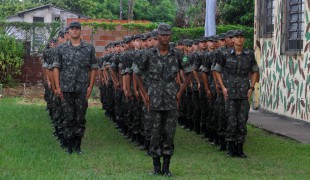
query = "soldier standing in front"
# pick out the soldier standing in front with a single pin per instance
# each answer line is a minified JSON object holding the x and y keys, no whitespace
{"x":236,"y":65}
{"x":74,"y":73}
{"x":162,"y":64}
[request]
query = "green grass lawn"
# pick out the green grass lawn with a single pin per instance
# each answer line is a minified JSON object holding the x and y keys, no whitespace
{"x":29,"y":151}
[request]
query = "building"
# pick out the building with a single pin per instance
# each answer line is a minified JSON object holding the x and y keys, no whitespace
{"x":42,"y":14}
{"x":282,"y":49}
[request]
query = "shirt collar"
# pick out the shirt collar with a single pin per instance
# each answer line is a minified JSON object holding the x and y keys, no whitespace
{"x":244,"y":52}
{"x":171,"y":51}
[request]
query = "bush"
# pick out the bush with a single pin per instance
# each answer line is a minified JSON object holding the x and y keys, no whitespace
{"x":11,"y":59}
{"x":194,"y":33}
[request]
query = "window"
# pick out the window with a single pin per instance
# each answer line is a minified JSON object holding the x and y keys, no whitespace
{"x":294,"y":26}
{"x":38,"y":19}
{"x":267,"y":18}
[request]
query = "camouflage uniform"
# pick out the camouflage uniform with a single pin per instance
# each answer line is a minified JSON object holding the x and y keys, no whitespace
{"x":74,"y":64}
{"x":47,"y":58}
{"x":195,"y":96}
{"x":118,"y":109}
{"x":235,"y":71}
{"x":220,"y":104}
{"x":161,"y":72}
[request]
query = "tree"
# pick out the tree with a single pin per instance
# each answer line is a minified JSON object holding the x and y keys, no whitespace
{"x":236,"y":12}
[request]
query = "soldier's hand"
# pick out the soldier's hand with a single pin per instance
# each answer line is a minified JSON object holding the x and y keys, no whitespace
{"x":199,"y":86}
{"x":147,"y":102}
{"x":178,"y":98}
{"x":250,"y":93}
{"x":59,"y":93}
{"x":208,"y":93}
{"x":217,"y":89}
{"x":88,"y":92}
{"x":137,"y":95}
{"x":225,"y":93}
{"x":49,"y":84}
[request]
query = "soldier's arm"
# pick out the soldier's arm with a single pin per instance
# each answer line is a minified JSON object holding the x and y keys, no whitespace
{"x":218,"y":69}
{"x":92,"y":73}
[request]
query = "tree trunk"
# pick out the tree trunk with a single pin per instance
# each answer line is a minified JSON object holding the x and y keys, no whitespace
{"x":120,"y":9}
{"x":131,"y":4}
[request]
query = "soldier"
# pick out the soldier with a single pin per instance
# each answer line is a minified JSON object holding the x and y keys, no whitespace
{"x":74,"y":72}
{"x":196,"y":89}
{"x":220,"y":102}
{"x":162,"y":64}
{"x":236,"y":64}
{"x":47,"y":56}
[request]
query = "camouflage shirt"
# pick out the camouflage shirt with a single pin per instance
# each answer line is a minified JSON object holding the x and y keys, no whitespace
{"x":161,"y":72}
{"x":195,"y":59}
{"x":74,"y":64}
{"x":48,"y":58}
{"x":235,"y":70}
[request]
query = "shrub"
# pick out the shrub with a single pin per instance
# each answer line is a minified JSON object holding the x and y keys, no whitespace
{"x":11,"y":58}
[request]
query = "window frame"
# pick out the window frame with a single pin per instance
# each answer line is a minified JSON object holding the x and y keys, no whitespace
{"x":264,"y":18}
{"x":286,"y":13}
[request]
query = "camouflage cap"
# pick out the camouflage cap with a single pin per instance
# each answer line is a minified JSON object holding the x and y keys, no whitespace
{"x":137,"y":36}
{"x":53,"y":40}
{"x":210,"y":38}
{"x":127,"y":39}
{"x":148,"y":35}
{"x":230,"y":33}
{"x":239,"y":33}
{"x":75,"y":24}
{"x":143,"y":37}
{"x":61,"y":33}
{"x":196,"y":41}
{"x":154,"y":33}
{"x":216,"y":37}
{"x":164,"y":29}
{"x":66,"y":30}
{"x":189,"y":43}
{"x":222,"y":36}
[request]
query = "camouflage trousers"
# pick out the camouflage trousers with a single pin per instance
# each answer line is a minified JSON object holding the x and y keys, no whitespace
{"x":137,"y":116}
{"x":196,"y":111}
{"x":57,"y":114}
{"x":204,"y":106}
{"x":147,"y":123}
{"x":118,"y":109}
{"x":74,"y":106}
{"x":127,"y":105}
{"x":110,"y":97}
{"x":222,"y":120}
{"x":189,"y":105}
{"x":164,"y":127}
{"x":237,"y":112}
{"x":212,"y":123}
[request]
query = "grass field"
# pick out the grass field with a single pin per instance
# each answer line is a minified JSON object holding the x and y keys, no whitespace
{"x":29,"y":151}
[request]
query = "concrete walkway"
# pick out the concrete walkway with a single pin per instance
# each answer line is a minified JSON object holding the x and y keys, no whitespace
{"x":283,"y":126}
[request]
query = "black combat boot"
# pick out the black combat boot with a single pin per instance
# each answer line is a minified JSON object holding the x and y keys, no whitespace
{"x":240,"y":152}
{"x":157,"y":166}
{"x":223,"y":144}
{"x":166,"y":164}
{"x":70,"y":145}
{"x":78,"y":142}
{"x":231,"y":149}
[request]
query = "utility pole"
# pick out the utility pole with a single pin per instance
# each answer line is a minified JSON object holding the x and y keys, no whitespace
{"x":210,"y":25}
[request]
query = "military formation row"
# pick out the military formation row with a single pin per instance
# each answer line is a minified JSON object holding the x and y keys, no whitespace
{"x":143,"y":79}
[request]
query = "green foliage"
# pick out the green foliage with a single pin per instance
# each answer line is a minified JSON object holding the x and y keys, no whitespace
{"x":11,"y":58}
{"x":237,"y":12}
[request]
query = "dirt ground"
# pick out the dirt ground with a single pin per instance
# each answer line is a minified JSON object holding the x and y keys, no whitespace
{"x":35,"y":94}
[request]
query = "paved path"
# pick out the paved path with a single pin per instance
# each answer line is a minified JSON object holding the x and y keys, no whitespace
{"x":282,"y":126}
